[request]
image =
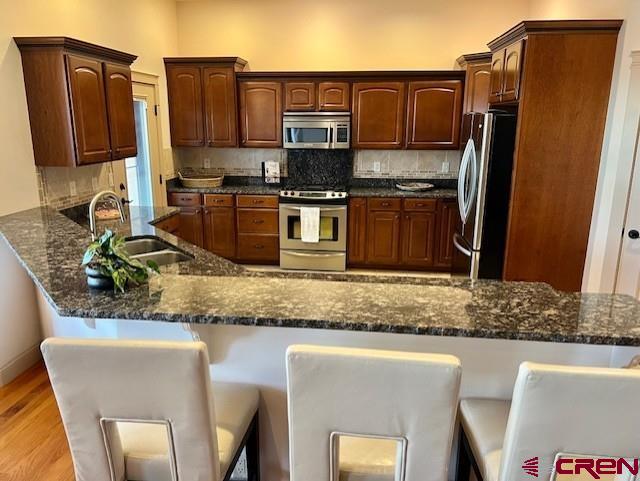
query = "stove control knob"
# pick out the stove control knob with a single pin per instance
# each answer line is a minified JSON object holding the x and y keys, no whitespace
{"x":285,"y":193}
{"x":333,"y":194}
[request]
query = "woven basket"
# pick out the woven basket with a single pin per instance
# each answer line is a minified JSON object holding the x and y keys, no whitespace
{"x":195,"y":181}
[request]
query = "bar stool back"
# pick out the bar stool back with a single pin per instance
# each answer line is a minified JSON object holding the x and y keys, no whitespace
{"x":143,"y":411}
{"x":357,"y":414}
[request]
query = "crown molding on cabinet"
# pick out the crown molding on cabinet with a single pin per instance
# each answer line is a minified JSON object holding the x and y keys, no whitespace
{"x":75,"y":45}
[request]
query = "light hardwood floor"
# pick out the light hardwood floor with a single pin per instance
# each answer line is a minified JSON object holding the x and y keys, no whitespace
{"x":33,"y":445}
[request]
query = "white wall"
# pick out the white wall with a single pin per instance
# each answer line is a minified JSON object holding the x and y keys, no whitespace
{"x":146,"y":28}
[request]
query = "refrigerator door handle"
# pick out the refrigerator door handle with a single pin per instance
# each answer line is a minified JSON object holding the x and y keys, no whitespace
{"x":470,"y":169}
{"x":457,"y":244}
{"x":464,"y":165}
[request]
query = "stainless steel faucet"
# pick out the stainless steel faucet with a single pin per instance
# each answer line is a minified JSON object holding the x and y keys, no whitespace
{"x":107,"y":194}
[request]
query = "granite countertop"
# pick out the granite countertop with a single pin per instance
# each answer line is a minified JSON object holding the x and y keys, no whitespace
{"x":210,"y":289}
{"x":393,"y":192}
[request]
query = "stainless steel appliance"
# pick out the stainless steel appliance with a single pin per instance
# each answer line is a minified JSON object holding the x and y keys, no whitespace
{"x":316,"y":130}
{"x":484,"y":190}
{"x":330,"y":252}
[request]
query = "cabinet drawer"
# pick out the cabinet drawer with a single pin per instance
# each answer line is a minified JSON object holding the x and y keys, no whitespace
{"x":218,"y":200}
{"x":258,"y":201}
{"x":428,"y":205}
{"x":258,"y":221}
{"x":184,"y":199}
{"x":171,"y":224}
{"x":256,"y":247}
{"x":377,"y":203}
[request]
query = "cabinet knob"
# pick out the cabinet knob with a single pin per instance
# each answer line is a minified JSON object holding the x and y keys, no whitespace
{"x":258,"y":221}
{"x":259,"y":246}
{"x":256,"y":201}
{"x":385,"y":204}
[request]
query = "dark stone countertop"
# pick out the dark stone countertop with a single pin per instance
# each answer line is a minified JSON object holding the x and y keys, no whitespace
{"x":393,"y":192}
{"x":213,"y":290}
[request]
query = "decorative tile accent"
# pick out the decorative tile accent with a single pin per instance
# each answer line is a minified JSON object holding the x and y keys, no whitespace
{"x":54,"y":184}
{"x":406,"y":164}
{"x":231,"y":161}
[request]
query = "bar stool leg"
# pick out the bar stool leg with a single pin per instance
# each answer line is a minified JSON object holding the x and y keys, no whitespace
{"x":463,"y":469}
{"x":253,"y":451}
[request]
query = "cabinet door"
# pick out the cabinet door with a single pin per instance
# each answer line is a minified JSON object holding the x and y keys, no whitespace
{"x":300,"y":96}
{"x":476,"y":97}
{"x":447,"y":219}
{"x":512,"y":67}
{"x":191,"y":227}
{"x":184,"y":84}
{"x":89,"y":110}
{"x":122,"y":123}
{"x":261,"y":114}
{"x":333,"y":96}
{"x":496,"y":78}
{"x":383,"y":236}
{"x":220,"y":107}
{"x":220,"y":231}
{"x":434,"y":116}
{"x":418,"y":238}
{"x":378,"y":115}
{"x":357,"y":231}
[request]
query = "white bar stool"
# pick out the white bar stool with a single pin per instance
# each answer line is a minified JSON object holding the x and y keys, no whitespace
{"x":147,"y":411}
{"x":365,"y":415}
{"x":556,"y":411}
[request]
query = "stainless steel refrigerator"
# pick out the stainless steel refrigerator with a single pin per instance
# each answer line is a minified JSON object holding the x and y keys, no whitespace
{"x":484,"y":191}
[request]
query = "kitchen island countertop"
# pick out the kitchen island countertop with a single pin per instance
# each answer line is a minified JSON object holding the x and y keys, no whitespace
{"x":212,"y":290}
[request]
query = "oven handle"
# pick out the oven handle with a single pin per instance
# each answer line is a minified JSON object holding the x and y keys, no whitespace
{"x":305,"y":254}
{"x":322,"y":209}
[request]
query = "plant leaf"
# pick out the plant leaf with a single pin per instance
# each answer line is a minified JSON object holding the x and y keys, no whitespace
{"x":153,"y":265}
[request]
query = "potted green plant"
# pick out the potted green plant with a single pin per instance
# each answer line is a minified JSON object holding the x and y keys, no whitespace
{"x":108,"y":265}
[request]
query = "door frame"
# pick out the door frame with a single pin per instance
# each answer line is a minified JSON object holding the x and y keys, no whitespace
{"x":159,"y":191}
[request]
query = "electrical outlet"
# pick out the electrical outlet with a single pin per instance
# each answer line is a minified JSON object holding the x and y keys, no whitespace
{"x":94,"y":183}
{"x":72,"y":188}
{"x":376,"y":166}
{"x":111,"y":181}
{"x":445,"y":166}
{"x":207,"y":163}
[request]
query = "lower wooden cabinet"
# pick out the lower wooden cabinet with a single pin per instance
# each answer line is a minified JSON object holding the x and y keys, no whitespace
{"x":191,"y":225}
{"x":410,"y":233}
{"x":170,"y":225}
{"x":220,"y":231}
{"x":257,"y":224}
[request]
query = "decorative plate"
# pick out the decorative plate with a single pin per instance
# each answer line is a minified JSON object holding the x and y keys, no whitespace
{"x":414,"y":186}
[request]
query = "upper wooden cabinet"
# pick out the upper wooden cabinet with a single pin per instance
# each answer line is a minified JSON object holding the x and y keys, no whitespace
{"x":506,"y":67}
{"x":378,"y":115}
{"x":202,"y":100}
{"x":122,"y":123}
{"x":478,"y":73}
{"x":261,"y":113}
{"x":433,"y":118}
{"x":80,"y":101}
{"x":300,"y":96}
{"x":333,"y":96}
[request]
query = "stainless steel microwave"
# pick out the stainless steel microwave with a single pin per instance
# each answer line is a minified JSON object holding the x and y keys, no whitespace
{"x":316,"y":130}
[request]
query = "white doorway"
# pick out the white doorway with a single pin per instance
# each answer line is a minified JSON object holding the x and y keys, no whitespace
{"x":139,"y":178}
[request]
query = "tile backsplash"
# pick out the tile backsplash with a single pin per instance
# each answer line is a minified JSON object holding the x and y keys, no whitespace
{"x":409,"y":164}
{"x":62,"y":187}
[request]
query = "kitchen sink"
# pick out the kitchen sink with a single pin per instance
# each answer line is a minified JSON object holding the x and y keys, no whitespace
{"x":154,"y":249}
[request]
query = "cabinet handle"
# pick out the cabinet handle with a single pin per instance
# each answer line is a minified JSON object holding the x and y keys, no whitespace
{"x":256,"y":201}
{"x":385,"y":204}
{"x":259,"y":246}
{"x":219,"y":201}
{"x":258,"y":221}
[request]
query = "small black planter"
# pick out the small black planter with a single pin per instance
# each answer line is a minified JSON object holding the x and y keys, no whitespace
{"x":96,"y":280}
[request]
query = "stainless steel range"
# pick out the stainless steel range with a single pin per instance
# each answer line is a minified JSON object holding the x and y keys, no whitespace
{"x":329,"y":252}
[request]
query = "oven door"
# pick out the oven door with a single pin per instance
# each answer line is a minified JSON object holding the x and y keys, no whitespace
{"x":333,"y":228}
{"x":306,"y":134}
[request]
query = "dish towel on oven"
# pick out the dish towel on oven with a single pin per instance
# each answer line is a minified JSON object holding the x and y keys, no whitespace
{"x":310,"y":224}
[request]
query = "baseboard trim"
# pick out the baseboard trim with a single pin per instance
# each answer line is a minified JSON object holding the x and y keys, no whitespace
{"x":20,"y":364}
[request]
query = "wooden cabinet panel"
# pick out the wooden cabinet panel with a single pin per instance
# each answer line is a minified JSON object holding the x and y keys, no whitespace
{"x":191,"y":225}
{"x":218,"y":200}
{"x":184,"y":84}
{"x":447,"y":220}
{"x":383,"y":234}
{"x":476,"y":97}
{"x":418,"y":238}
{"x":258,"y":201}
{"x":170,"y":225}
{"x":220,"y":231}
{"x":258,"y":221}
{"x":184,"y":199}
{"x":333,"y":96}
{"x":89,"y":110}
{"x":434,"y":114}
{"x":122,"y":123}
{"x":378,"y":115}
{"x":357,"y":231}
{"x":258,"y":248}
{"x":220,"y":106}
{"x":512,"y":67}
{"x":382,"y":203}
{"x":496,"y":78}
{"x":429,"y":205}
{"x":300,"y":96}
{"x":261,"y":114}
